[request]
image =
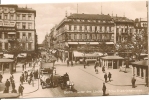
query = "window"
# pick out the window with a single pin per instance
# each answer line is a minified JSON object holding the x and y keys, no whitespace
{"x":75,"y":27}
{"x":11,"y":17}
{"x":75,"y":36}
{"x":18,"y":25}
{"x":0,"y":46}
{"x":80,"y":28}
{"x":109,"y":29}
{"x":90,"y":28}
{"x":29,"y":35}
{"x":5,"y":16}
{"x":0,"y":35}
{"x":105,"y":29}
{"x":29,"y":17}
{"x":6,"y":46}
{"x":24,"y":25}
{"x":29,"y":46}
{"x":18,"y":35}
{"x":69,"y":37}
{"x":23,"y":34}
{"x":70,"y":27}
{"x":29,"y":25}
{"x":85,"y":27}
{"x":5,"y":35}
{"x":23,"y":17}
{"x":18,"y":17}
{"x":80,"y":36}
{"x":100,"y":29}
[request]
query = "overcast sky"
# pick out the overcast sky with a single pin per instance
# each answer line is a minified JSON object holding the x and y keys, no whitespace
{"x":50,"y":14}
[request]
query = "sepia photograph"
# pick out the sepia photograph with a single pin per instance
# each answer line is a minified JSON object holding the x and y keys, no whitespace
{"x":74,"y":49}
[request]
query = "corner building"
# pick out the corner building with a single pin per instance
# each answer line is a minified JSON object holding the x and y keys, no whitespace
{"x":17,"y":24}
{"x":77,"y":30}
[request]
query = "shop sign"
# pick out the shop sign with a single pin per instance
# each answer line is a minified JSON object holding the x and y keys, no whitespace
{"x":7,"y":23}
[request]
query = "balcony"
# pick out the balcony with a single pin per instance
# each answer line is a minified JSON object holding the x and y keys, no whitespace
{"x":25,"y":40}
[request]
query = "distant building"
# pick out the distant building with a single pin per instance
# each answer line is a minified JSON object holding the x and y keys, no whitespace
{"x":17,"y":24}
{"x":77,"y":30}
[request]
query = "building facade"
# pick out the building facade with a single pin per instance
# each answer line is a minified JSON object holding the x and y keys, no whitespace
{"x":124,"y":27}
{"x":17,"y":24}
{"x":77,"y":30}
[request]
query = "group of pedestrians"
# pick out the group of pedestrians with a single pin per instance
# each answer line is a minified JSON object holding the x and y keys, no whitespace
{"x":10,"y":82}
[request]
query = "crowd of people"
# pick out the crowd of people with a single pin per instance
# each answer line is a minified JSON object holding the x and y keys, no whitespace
{"x":26,"y":76}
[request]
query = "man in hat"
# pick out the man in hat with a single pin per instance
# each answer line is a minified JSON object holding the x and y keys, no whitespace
{"x":1,"y":77}
{"x":104,"y":89}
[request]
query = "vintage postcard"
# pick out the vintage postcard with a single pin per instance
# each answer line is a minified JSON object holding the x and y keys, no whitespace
{"x":74,"y":49}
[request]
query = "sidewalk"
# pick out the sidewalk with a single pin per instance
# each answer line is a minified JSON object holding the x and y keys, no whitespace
{"x":118,"y":78}
{"x":27,"y":88}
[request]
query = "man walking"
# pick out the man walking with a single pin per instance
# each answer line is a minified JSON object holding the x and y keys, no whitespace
{"x":1,"y":77}
{"x":133,"y":80}
{"x":13,"y":84}
{"x":109,"y":76}
{"x":105,"y":77}
{"x":20,"y":90}
{"x":104,"y":89}
{"x":7,"y":84}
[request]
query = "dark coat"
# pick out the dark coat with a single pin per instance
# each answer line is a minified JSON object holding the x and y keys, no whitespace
{"x":21,"y":88}
{"x":104,"y":87}
{"x":105,"y":76}
{"x":109,"y":75}
{"x":7,"y":84}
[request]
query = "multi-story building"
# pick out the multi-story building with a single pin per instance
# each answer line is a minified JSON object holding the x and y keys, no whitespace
{"x":77,"y":30}
{"x":17,"y":24}
{"x":124,"y":27}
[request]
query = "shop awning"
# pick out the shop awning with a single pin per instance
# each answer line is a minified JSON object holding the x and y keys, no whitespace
{"x":112,"y":57}
{"x":109,"y":43}
{"x":140,"y":63}
{"x":22,"y":55}
{"x":11,"y":32}
{"x":78,"y":54}
{"x":8,"y":56}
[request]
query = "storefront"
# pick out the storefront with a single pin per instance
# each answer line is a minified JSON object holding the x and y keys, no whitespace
{"x":7,"y":65}
{"x":140,"y":69}
{"x":113,"y":62}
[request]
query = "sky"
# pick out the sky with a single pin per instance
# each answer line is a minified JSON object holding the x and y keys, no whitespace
{"x":50,"y":14}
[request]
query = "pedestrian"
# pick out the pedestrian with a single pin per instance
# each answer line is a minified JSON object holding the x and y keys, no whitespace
{"x":67,"y":62}
{"x":7,"y":84}
{"x":1,"y":77}
{"x":21,"y":79}
{"x":84,"y":61}
{"x":109,"y":76}
{"x":95,"y":67}
{"x":105,"y":77}
{"x":20,"y":90}
{"x":103,"y":69}
{"x":22,"y":67}
{"x":13,"y":84}
{"x":6,"y":90}
{"x":104,"y":89}
{"x":133,"y":80}
{"x":14,"y":90}
{"x":11,"y":78}
{"x":26,"y":75}
{"x":71,"y":63}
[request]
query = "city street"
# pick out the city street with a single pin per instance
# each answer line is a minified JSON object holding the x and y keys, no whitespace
{"x":88,"y":83}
